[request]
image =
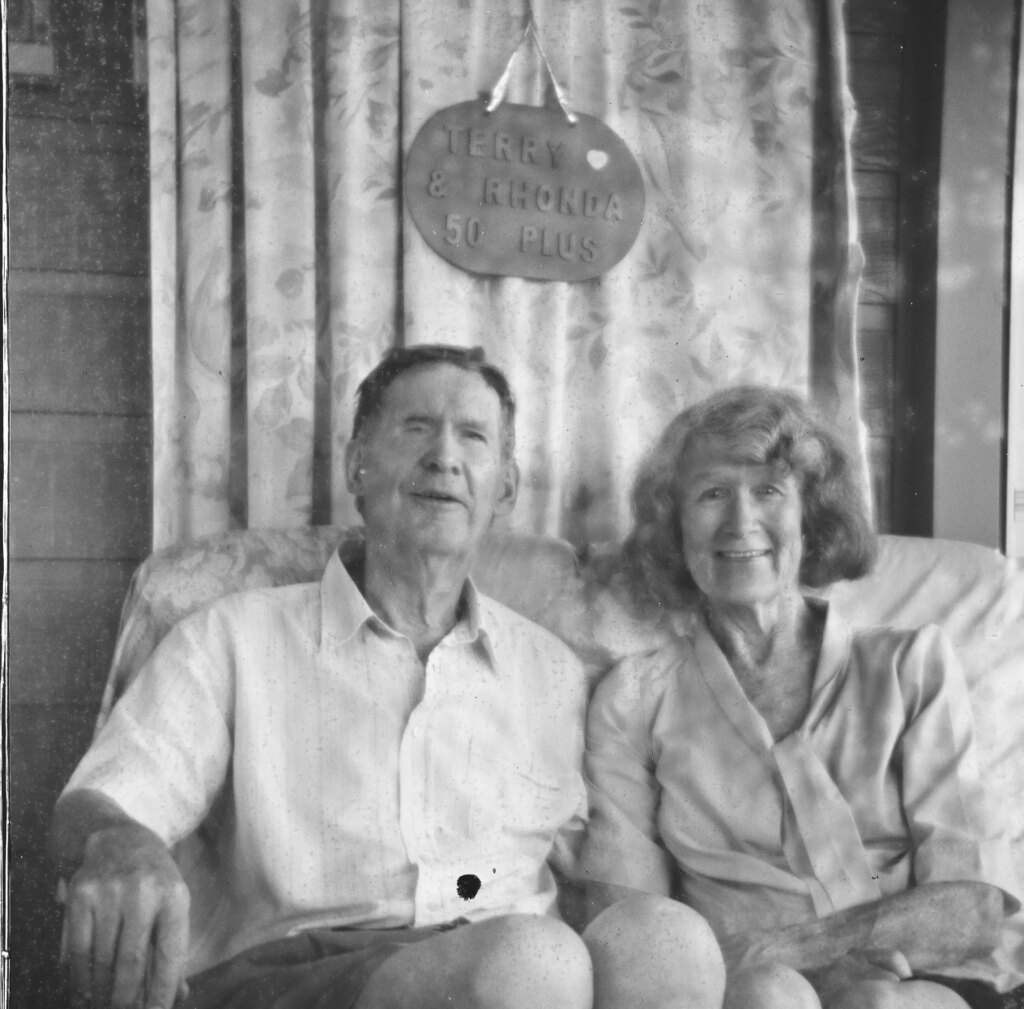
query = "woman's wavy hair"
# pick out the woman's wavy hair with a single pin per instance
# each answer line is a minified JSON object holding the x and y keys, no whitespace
{"x":758,"y":425}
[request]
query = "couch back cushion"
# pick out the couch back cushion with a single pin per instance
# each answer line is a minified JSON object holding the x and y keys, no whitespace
{"x":974,"y":593}
{"x":534,"y":575}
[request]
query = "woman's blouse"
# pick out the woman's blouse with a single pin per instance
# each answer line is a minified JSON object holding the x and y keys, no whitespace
{"x":877,"y":790}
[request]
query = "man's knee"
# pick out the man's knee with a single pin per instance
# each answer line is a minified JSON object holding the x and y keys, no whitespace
{"x":656,"y":946}
{"x":527,"y":960}
{"x":772,"y":987}
{"x":502,"y":963}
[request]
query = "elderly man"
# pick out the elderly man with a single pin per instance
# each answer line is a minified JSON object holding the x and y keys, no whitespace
{"x":392,"y":758}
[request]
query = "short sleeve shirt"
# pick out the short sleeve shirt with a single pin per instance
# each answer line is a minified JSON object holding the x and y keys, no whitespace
{"x":344,"y":783}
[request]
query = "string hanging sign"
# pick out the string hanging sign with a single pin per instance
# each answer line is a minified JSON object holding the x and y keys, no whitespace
{"x":524,"y":191}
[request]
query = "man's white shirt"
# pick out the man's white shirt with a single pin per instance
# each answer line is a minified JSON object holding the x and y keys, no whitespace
{"x":349,"y":784}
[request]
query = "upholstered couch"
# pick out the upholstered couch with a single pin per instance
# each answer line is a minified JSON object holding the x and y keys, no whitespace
{"x":974,"y":593}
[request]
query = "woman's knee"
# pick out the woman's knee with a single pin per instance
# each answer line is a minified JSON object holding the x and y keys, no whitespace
{"x":771,"y":987}
{"x":879,"y":994}
{"x":642,"y":920}
{"x":655,"y":947}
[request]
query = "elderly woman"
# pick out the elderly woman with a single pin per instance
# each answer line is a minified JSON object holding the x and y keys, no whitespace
{"x":811,"y":790}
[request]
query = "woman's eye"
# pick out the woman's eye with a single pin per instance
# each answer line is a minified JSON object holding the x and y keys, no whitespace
{"x":711,"y":494}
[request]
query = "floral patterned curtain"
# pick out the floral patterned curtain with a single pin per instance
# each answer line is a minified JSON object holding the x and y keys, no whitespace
{"x":284,"y":261}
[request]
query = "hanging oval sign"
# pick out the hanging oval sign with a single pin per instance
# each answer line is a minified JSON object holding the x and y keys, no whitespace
{"x":522,"y":192}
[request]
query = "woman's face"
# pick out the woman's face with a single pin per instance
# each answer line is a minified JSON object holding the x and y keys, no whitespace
{"x":741,"y":525}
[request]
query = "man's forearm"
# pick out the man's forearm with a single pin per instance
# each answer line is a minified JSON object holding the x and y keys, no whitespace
{"x":934,"y":925}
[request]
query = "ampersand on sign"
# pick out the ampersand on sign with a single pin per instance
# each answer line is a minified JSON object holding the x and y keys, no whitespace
{"x":436,"y":186}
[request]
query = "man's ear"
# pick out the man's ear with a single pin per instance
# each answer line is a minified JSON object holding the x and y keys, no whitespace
{"x":509,"y":489}
{"x":354,"y":466}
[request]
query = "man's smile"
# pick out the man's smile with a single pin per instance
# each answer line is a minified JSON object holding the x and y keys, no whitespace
{"x":436,"y":496}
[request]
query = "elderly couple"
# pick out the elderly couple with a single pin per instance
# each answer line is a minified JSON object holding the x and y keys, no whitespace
{"x":782,"y":812}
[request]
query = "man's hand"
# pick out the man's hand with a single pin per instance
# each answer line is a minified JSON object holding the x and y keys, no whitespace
{"x":126,"y":921}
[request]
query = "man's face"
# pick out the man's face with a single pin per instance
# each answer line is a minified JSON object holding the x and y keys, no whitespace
{"x":429,"y":468}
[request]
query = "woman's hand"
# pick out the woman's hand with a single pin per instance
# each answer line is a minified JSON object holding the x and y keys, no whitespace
{"x":757,"y":948}
{"x":754,"y":948}
{"x":868,"y":965}
{"x":857,"y":943}
{"x":741,"y":951}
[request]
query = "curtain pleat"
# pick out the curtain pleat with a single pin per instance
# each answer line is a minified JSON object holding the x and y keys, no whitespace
{"x":362,"y":152}
{"x":745,"y":268}
{"x":280,"y":288}
{"x":191,"y":270}
{"x":838,"y":260}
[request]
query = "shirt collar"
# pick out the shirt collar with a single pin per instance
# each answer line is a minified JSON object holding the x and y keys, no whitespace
{"x":475,"y":622}
{"x":832,"y":661}
{"x":344,"y":610}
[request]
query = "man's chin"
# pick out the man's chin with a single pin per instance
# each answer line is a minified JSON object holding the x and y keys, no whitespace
{"x":441,"y":537}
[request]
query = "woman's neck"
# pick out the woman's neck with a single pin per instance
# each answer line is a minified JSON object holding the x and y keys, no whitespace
{"x":773,"y":652}
{"x":754,"y":631}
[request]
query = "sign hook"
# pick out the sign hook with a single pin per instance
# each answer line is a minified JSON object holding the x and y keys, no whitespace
{"x":532,"y":33}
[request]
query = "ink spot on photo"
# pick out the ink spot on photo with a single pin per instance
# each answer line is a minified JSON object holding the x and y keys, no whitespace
{"x":467,"y":886}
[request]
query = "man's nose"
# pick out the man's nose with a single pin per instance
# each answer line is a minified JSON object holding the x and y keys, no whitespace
{"x":443,"y":451}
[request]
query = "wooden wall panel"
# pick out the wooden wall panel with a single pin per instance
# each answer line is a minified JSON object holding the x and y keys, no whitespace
{"x":883,"y":17}
{"x":64,"y":659}
{"x":885,"y":49}
{"x":80,"y":456}
{"x":880,"y":456}
{"x":879,"y":225}
{"x":876,"y":73}
{"x":80,"y":486}
{"x":876,"y":366}
{"x":876,"y":90}
{"x":45,"y":741}
{"x":82,"y":192}
{"x":896,"y":53}
{"x":66,"y":331}
{"x":36,"y":980}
